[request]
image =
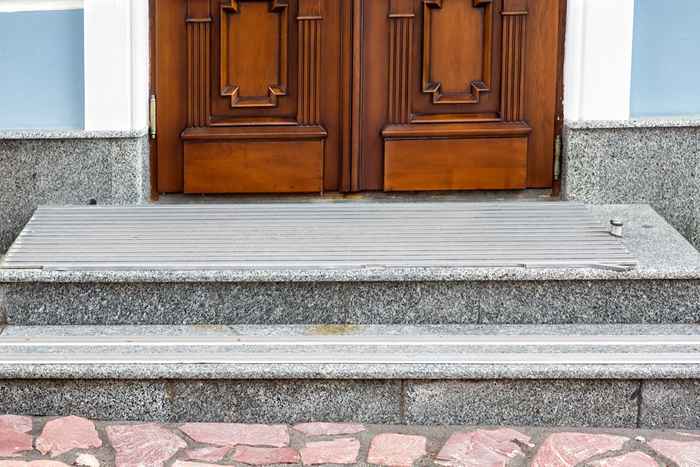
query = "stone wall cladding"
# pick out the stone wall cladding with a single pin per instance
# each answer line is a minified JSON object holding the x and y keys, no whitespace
{"x":650,"y":161}
{"x":532,"y":402}
{"x":73,"y":169}
{"x":670,"y":403}
{"x":615,"y":403}
{"x":125,"y":400}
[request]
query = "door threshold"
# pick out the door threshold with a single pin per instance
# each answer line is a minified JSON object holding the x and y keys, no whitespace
{"x":452,"y":196}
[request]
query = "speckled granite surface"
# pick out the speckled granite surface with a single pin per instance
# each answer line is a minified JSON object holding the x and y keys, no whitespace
{"x":661,"y":251}
{"x":604,"y":394}
{"x":512,"y":302}
{"x":128,"y":400}
{"x":610,"y":403}
{"x":662,"y":122}
{"x":70,"y":134}
{"x":670,"y":403}
{"x":639,"y":161}
{"x":665,"y":288}
{"x":523,"y":392}
{"x":68,"y":167}
{"x":350,"y":372}
{"x":544,"y":402}
{"x":455,"y":352}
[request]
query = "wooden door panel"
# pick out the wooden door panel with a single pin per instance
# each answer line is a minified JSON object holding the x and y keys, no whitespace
{"x":238,"y":62}
{"x":459,"y":56}
{"x":490,"y":65}
{"x":544,"y":75}
{"x":356,"y":95}
{"x":254,"y":167}
{"x":254,"y":73}
{"x":371,"y":72}
{"x":255,"y":44}
{"x":171,"y":89}
{"x":453,"y":164}
{"x":250,"y":78}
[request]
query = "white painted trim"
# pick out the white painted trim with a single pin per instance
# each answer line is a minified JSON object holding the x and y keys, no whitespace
{"x":11,"y":6}
{"x":598,"y":62}
{"x":140,"y":64}
{"x":116,"y":64}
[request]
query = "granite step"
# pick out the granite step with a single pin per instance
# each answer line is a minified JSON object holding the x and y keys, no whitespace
{"x":559,"y":375}
{"x":664,"y":287}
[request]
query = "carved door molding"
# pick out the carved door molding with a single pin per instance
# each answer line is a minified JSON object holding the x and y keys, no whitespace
{"x":260,"y":135}
{"x":475,"y":86}
{"x":468,"y":119}
{"x":354,"y":95}
{"x":256,"y":64}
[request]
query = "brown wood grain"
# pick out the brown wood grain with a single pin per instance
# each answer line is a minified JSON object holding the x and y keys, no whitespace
{"x":542,"y":77}
{"x":372,"y":111}
{"x":469,"y":164}
{"x":254,"y":167}
{"x":253,"y":75}
{"x":369,"y":82}
{"x":457,"y":50}
{"x":171,"y":90}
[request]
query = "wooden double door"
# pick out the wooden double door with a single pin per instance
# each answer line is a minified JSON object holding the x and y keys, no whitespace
{"x":282,"y":96}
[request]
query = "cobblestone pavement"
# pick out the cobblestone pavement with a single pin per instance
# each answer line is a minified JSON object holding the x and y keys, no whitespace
{"x":56,"y":442}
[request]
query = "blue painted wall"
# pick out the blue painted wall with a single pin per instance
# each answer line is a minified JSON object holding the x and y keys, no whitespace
{"x":42,"y":82}
{"x":666,"y":58}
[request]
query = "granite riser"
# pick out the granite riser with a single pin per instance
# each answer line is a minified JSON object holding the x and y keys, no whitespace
{"x":447,"y":302}
{"x":610,"y":403}
{"x":648,"y":161}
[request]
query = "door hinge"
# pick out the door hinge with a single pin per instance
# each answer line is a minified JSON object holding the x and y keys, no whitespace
{"x":152,"y":114}
{"x":557,"y":157}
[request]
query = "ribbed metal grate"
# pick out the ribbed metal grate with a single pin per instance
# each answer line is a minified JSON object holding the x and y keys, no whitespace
{"x":317,"y":235}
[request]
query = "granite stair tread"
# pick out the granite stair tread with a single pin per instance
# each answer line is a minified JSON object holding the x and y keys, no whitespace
{"x":299,"y":236}
{"x":351,"y":352}
{"x":663,"y":288}
{"x":651,"y":249}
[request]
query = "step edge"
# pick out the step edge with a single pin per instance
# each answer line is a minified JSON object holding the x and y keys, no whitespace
{"x":329,"y":371}
{"x":371,"y":274}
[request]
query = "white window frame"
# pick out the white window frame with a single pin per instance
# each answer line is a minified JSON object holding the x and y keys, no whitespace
{"x":598,"y":62}
{"x":11,"y":6}
{"x":116,"y":64}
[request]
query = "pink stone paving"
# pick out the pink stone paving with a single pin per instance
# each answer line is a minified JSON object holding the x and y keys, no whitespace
{"x":208,"y":454}
{"x":329,"y":429}
{"x":339,"y":451}
{"x":233,"y":434}
{"x":684,"y":453}
{"x":75,"y":441}
{"x":633,"y":459}
{"x":13,"y":441}
{"x":396,"y":450}
{"x":492,"y":448}
{"x":65,"y":434}
{"x":32,"y":464}
{"x":17,"y":423}
{"x":266,"y":456}
{"x":139,"y":445}
{"x":192,"y":464}
{"x":569,"y":449}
